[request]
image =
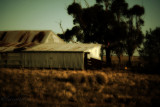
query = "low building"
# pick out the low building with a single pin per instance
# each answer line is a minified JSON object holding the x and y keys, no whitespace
{"x":43,"y":49}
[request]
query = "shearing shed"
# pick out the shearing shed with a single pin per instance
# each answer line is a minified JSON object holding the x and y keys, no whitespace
{"x":26,"y":37}
{"x":44,"y":49}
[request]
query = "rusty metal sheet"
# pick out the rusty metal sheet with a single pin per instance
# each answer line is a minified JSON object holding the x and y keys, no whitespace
{"x":28,"y":37}
{"x":63,"y":47}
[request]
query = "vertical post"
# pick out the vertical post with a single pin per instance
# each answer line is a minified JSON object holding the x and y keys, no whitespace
{"x":85,"y":61}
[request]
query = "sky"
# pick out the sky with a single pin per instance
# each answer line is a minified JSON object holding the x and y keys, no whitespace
{"x":47,"y":14}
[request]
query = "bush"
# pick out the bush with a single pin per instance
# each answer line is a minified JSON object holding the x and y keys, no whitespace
{"x":77,"y":78}
{"x":101,"y":78}
{"x":69,"y":87}
{"x":150,"y":52}
{"x":91,"y":79}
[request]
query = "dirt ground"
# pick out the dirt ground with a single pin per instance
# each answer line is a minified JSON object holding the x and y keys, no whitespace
{"x":24,"y":87}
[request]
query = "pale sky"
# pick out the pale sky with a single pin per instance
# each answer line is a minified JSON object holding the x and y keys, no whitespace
{"x":46,"y":14}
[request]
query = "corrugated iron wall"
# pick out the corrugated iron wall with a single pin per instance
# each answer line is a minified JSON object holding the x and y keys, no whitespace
{"x":10,"y":59}
{"x":43,"y":60}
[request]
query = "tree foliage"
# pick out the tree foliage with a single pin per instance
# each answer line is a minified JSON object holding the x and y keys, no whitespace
{"x":151,"y":50}
{"x":108,"y":22}
{"x":75,"y":31}
{"x":135,"y":35}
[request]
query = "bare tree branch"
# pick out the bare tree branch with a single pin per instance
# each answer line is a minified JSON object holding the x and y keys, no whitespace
{"x":86,"y":3}
{"x":60,"y":24}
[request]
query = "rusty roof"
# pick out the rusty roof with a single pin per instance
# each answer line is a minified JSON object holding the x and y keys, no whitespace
{"x":38,"y":41}
{"x":63,"y":47}
{"x":21,"y":38}
{"x":70,"y":47}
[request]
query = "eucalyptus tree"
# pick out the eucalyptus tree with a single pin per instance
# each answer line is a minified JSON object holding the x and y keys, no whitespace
{"x":119,"y":9}
{"x":138,"y":11}
{"x":102,"y":23}
{"x":105,"y":23}
{"x":96,"y":24}
{"x":150,"y":53}
{"x":118,"y":27}
{"x":105,"y":2}
{"x":135,"y":35}
{"x":70,"y":33}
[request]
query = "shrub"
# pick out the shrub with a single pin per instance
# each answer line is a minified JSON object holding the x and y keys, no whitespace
{"x":69,"y":87}
{"x":91,"y":79}
{"x":150,"y":53}
{"x":101,"y":78}
{"x":64,"y":94}
{"x":77,"y":78}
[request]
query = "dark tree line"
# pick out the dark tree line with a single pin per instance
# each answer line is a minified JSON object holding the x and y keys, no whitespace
{"x":108,"y":22}
{"x":150,"y":53}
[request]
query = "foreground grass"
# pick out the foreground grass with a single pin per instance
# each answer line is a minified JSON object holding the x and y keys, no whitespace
{"x":25,"y":87}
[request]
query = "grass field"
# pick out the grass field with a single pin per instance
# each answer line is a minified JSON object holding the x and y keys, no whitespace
{"x":24,"y":87}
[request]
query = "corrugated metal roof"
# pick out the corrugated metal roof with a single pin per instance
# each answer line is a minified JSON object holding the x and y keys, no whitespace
{"x":71,"y":47}
{"x":24,"y":37}
{"x":38,"y":41}
{"x":63,"y":47}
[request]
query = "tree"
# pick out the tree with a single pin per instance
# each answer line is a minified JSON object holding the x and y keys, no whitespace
{"x":138,"y":11}
{"x":69,"y":34}
{"x":119,"y":50}
{"x":95,"y":23}
{"x":119,"y":8}
{"x":135,"y":35}
{"x":106,"y":23}
{"x":105,"y":2}
{"x":150,"y":53}
{"x":119,"y":47}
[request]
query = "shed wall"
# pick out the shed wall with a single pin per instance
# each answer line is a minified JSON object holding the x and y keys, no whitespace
{"x":10,"y":59}
{"x":44,"y":60}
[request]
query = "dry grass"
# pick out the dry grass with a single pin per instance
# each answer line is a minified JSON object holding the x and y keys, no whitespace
{"x":25,"y":87}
